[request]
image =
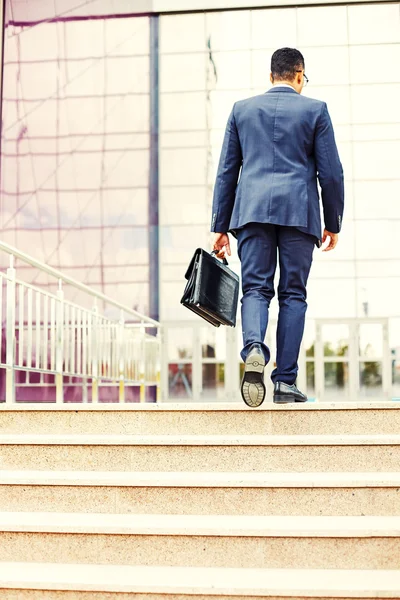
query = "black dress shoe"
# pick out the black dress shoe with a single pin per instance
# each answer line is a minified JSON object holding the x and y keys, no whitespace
{"x":284,"y":393}
{"x":253,"y":388}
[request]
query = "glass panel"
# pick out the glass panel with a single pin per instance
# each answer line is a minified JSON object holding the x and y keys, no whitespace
{"x":241,"y":372}
{"x":180,"y":380}
{"x":310,"y":374}
{"x":213,"y":381}
{"x":309,"y":338}
{"x":396,"y":372}
{"x":336,"y":340}
{"x":180,"y":343}
{"x":75,"y":157}
{"x":371,"y":342}
{"x":336,"y":381}
{"x":371,"y":378}
{"x":213,"y":342}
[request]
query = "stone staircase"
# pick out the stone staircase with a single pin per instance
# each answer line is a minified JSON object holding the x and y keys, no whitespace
{"x":200,"y":501}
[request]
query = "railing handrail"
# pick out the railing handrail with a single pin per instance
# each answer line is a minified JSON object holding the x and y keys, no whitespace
{"x":75,"y":283}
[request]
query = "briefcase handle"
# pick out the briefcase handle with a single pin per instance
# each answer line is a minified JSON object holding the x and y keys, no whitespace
{"x":215,"y":252}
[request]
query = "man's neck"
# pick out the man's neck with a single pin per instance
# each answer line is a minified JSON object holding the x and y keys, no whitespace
{"x":284,"y":84}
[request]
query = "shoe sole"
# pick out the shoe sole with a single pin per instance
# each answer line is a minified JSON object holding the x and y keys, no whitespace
{"x":253,"y":388}
{"x":286,"y":399}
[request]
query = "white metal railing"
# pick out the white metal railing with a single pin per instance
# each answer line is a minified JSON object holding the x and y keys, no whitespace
{"x":66,"y":345}
{"x":203,"y":363}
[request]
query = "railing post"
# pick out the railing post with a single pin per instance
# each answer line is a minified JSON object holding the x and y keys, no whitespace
{"x":121,"y":357}
{"x":142,"y":373}
{"x":197,"y":367}
{"x":302,"y":374}
{"x":353,"y":358}
{"x":164,"y":364}
{"x":10,"y":333}
{"x":231,"y":365}
{"x":319,"y":363}
{"x":95,"y":356}
{"x":159,"y":364}
{"x":386,"y":362}
{"x":60,"y":344}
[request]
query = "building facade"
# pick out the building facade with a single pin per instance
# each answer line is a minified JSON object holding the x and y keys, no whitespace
{"x":75,"y":166}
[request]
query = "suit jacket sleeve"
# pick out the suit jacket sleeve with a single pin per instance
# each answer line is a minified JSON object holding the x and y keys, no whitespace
{"x":330,"y":172}
{"x":227,"y":177}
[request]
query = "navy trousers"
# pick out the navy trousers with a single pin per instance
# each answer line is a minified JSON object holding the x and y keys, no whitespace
{"x":259,"y":246}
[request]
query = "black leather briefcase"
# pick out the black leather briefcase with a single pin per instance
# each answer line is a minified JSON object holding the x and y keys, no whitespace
{"x":212,"y":289}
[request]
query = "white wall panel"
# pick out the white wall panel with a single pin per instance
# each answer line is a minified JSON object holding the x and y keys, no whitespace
{"x":337,"y":99}
{"x":374,"y":24}
{"x":183,"y":72}
{"x":233,"y":70}
{"x":377,"y":199}
{"x":377,"y":160}
{"x":185,"y":34}
{"x":185,"y":166}
{"x":273,"y":28}
{"x":222,"y":29}
{"x":375,"y":63}
{"x":327,"y":65}
{"x":334,"y":297}
{"x":376,"y":103}
{"x":180,"y":112}
{"x":323,"y":26}
{"x":377,"y":239}
{"x":184,"y":205}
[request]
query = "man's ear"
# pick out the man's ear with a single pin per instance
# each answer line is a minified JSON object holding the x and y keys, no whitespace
{"x":271,"y":78}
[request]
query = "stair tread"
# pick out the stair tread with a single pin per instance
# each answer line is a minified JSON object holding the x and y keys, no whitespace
{"x":128,"y":439}
{"x":200,"y":479}
{"x":201,"y":580}
{"x":210,"y":525}
{"x":197,"y":406}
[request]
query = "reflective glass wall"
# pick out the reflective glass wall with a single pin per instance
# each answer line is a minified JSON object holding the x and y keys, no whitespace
{"x":75,"y":143}
{"x":352,"y":53}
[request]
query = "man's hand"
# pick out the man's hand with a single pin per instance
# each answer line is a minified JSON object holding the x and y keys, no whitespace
{"x":334,"y":238}
{"x":221,"y":241}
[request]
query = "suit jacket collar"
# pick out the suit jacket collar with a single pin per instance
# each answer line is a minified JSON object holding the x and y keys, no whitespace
{"x":279,"y":88}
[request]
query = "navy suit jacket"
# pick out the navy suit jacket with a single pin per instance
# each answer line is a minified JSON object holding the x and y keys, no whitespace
{"x":275,"y":146}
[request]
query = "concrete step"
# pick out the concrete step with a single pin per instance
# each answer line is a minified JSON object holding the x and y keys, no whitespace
{"x":100,"y":582}
{"x":202,"y":540}
{"x":200,"y":452}
{"x":269,"y":493}
{"x":203,"y":418}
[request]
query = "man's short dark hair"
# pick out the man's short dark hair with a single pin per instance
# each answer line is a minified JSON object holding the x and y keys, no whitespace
{"x":285,"y":62}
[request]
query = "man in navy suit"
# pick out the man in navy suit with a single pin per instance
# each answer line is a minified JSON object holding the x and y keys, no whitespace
{"x":275,"y":148}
